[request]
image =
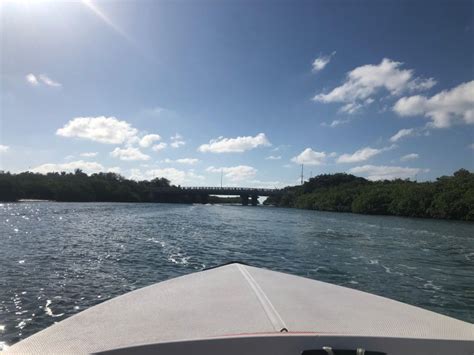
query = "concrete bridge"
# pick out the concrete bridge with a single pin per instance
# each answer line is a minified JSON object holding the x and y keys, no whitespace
{"x":248,"y":195}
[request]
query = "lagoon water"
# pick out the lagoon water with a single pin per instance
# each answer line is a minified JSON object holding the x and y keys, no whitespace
{"x":57,"y":259}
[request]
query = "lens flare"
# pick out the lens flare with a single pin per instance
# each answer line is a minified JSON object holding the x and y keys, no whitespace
{"x":106,"y":19}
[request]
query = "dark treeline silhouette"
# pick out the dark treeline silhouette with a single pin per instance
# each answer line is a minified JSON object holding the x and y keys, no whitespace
{"x":101,"y":187}
{"x":449,"y":197}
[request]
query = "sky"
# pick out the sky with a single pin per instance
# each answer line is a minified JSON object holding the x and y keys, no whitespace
{"x":192,"y":90}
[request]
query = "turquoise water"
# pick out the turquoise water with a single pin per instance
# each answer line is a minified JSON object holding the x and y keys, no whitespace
{"x":57,"y":259}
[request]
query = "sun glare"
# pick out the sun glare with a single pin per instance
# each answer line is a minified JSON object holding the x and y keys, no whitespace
{"x":97,"y":11}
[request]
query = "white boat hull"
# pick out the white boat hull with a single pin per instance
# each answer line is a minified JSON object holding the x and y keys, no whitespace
{"x":238,"y":309}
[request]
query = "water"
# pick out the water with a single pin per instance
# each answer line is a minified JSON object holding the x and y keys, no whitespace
{"x":57,"y":259}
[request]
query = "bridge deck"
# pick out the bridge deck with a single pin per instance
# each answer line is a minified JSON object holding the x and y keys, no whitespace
{"x":236,"y":191}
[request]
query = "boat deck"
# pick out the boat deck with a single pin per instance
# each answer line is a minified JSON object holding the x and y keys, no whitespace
{"x":242,"y":302}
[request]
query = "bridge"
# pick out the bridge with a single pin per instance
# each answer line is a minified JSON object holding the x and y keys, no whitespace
{"x":248,"y":195}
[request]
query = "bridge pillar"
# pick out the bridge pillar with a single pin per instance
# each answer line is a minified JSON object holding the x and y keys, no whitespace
{"x":254,"y":200}
{"x":245,"y":200}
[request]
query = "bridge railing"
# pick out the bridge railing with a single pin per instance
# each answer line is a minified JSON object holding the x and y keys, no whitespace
{"x":218,"y":189}
{"x":226,"y":188}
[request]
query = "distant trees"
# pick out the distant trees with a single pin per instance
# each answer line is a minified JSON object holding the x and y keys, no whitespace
{"x":449,"y":197}
{"x":100,"y":187}
{"x":77,"y":187}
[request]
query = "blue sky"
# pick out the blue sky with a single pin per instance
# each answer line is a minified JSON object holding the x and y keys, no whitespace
{"x":253,"y":89}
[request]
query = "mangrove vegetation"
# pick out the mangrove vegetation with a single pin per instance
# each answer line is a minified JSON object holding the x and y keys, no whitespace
{"x":449,"y":197}
{"x":101,"y":187}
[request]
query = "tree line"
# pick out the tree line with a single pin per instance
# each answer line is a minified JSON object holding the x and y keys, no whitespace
{"x":100,"y":187}
{"x":449,"y":197}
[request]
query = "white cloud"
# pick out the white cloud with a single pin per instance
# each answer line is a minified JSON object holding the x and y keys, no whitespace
{"x":155,"y":111}
{"x":444,"y":108}
{"x":266,"y":184}
{"x":365,"y":81}
{"x":411,"y":156}
{"x":101,"y":129}
{"x":334,"y":123}
{"x":405,"y":132}
{"x":114,"y":169}
{"x":320,"y":62}
{"x":89,"y":155}
{"x":360,"y":155}
{"x":48,"y":81}
{"x":351,"y":108}
{"x":235,"y":173}
{"x":4,"y":148}
{"x":235,"y":145}
{"x":373,"y":172}
{"x":158,"y":147}
{"x":32,"y":79}
{"x":86,"y":166}
{"x":177,"y":144}
{"x":188,"y":161}
{"x":137,"y":174}
{"x":129,"y":153}
{"x":177,"y":141}
{"x":310,"y":157}
{"x":273,"y":157}
{"x":355,"y":107}
{"x":148,"y":140}
{"x":177,"y":177}
{"x":419,"y":84}
{"x":281,"y":147}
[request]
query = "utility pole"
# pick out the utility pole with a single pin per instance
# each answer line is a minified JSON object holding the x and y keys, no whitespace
{"x":302,"y":176}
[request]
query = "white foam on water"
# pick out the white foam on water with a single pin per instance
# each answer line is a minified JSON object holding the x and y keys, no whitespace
{"x":408,"y":267}
{"x":178,"y":259}
{"x":153,"y":240}
{"x":389,"y":271}
{"x":49,"y":311}
{"x":431,"y":285}
{"x":23,"y":323}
